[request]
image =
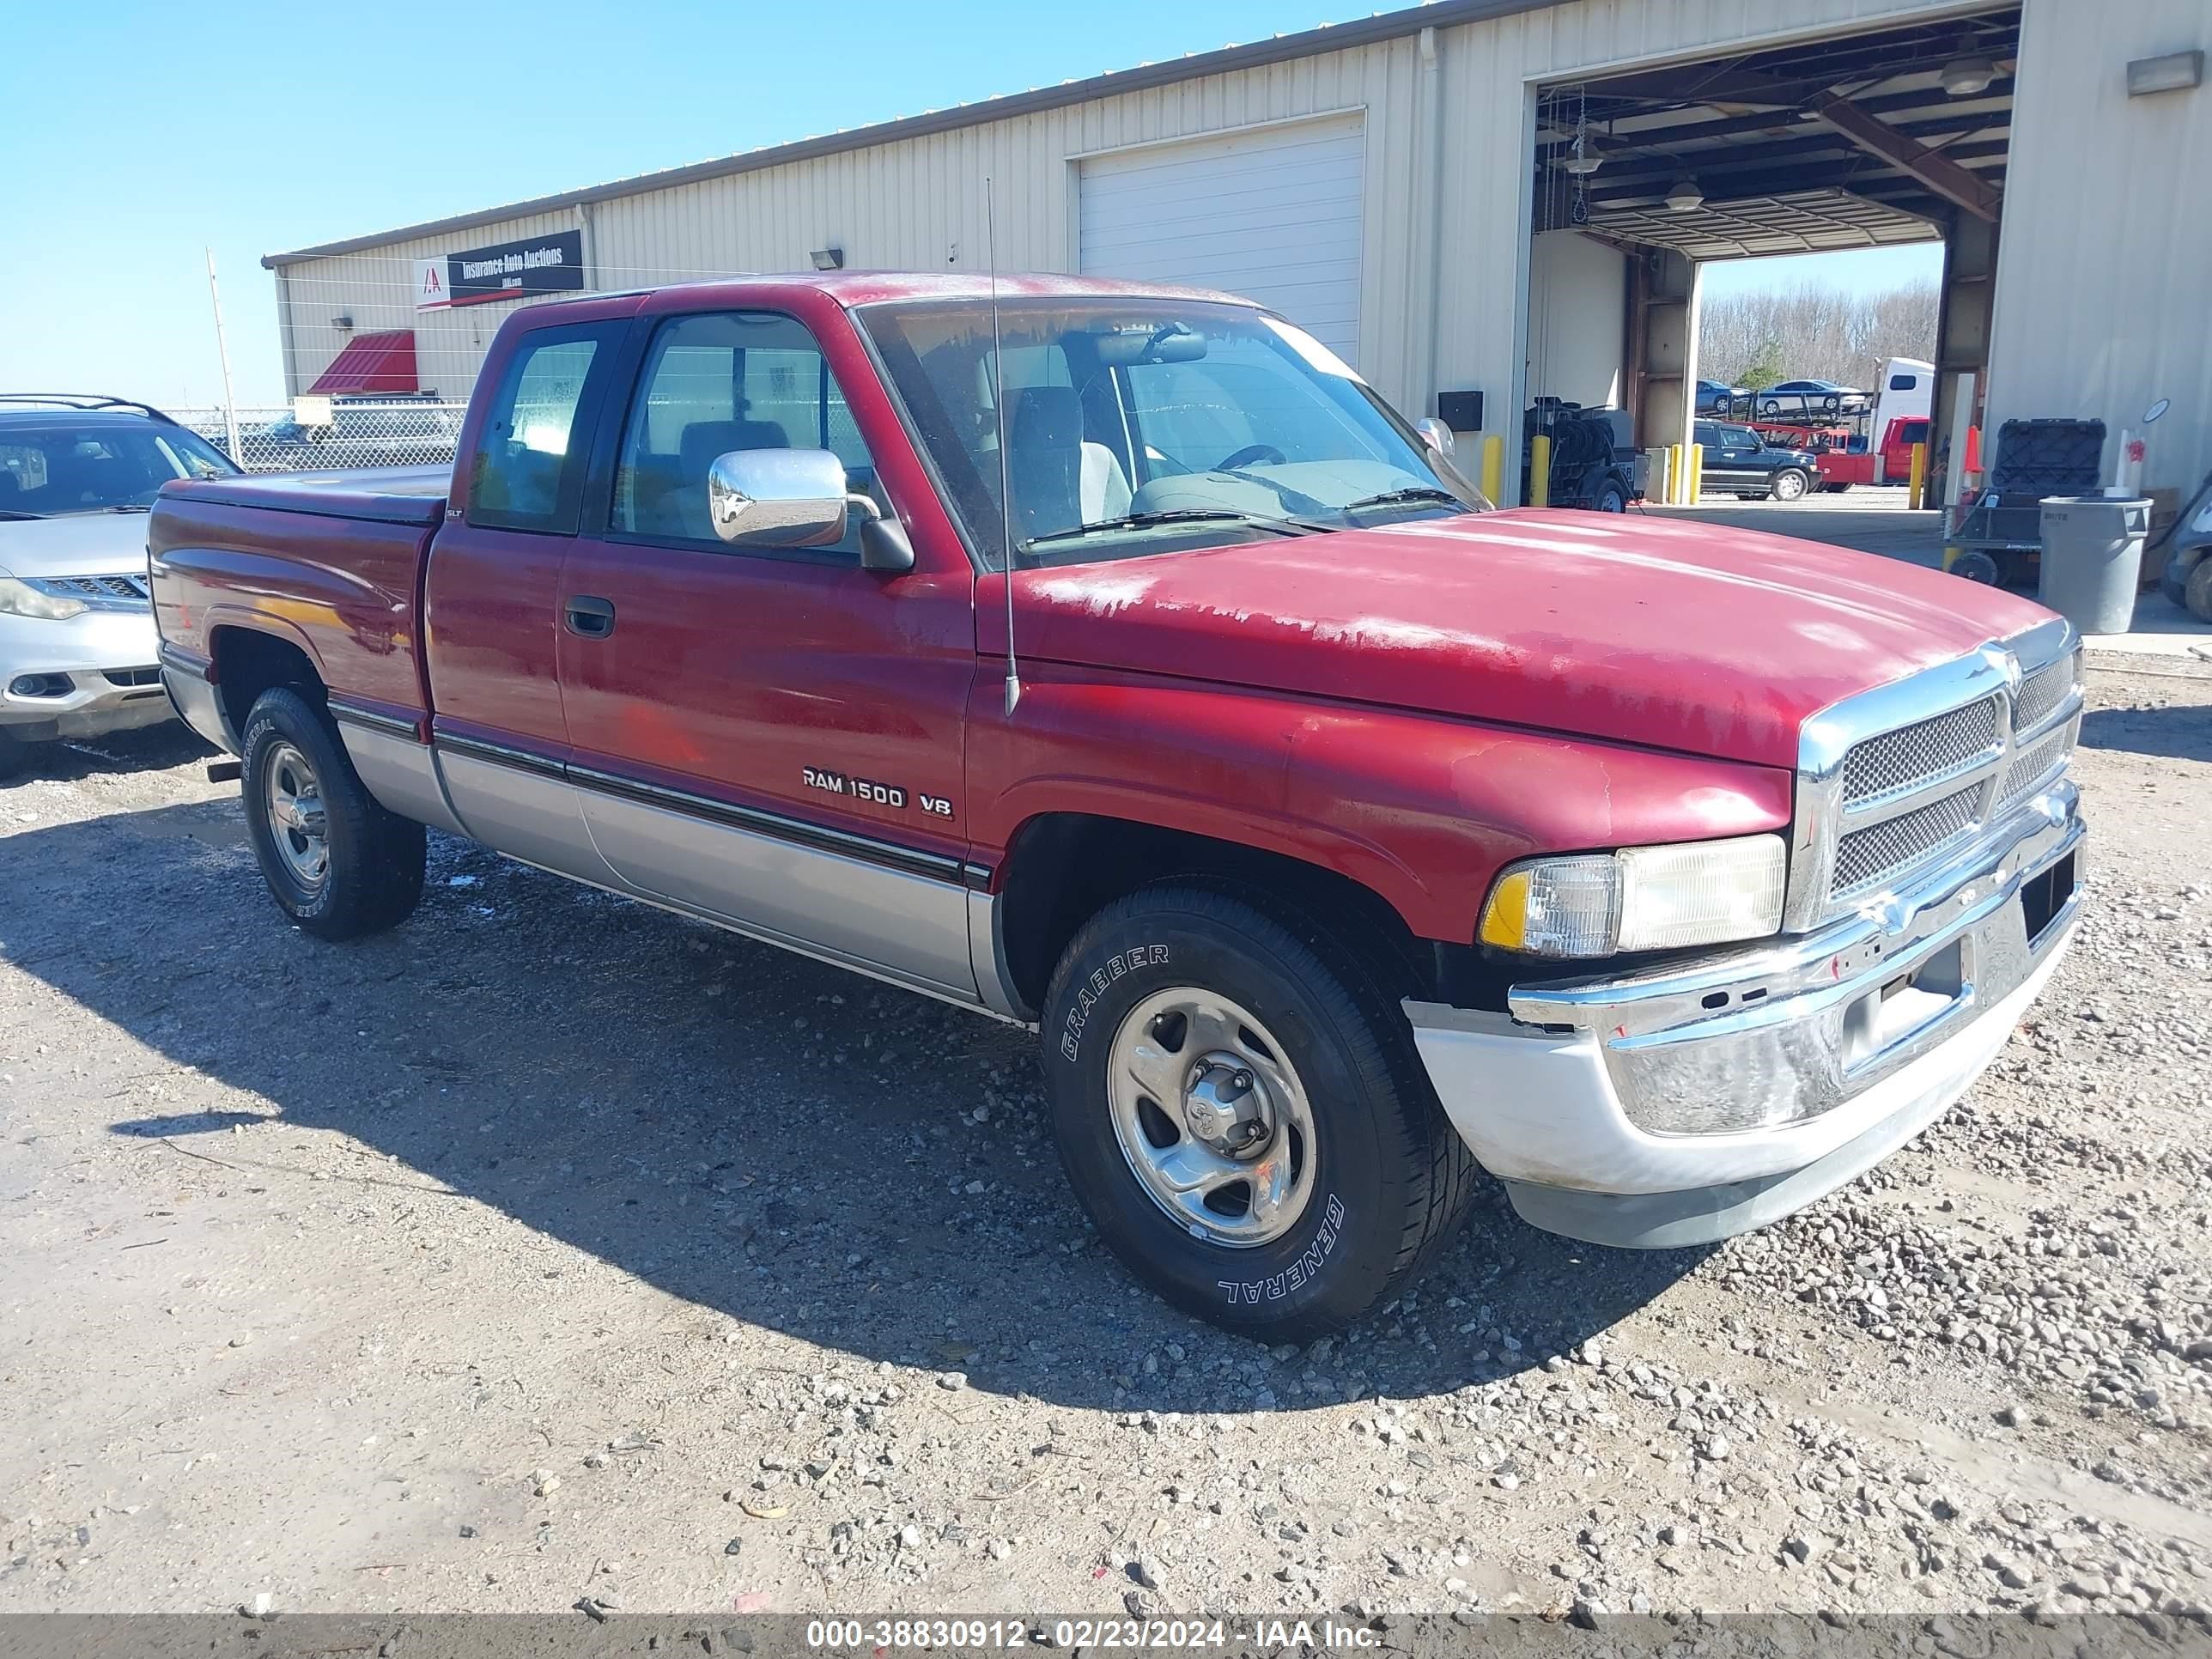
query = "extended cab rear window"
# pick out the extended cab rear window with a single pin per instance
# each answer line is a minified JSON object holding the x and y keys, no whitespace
{"x":528,"y":470}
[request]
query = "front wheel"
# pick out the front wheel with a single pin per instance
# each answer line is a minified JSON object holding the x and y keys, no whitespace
{"x":338,"y":863}
{"x":1789,"y":484}
{"x":1238,"y":1106}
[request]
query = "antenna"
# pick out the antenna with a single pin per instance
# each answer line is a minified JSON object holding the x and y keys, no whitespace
{"x":998,"y":410}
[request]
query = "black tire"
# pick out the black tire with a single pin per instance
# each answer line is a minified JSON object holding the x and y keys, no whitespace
{"x":2196,"y":591}
{"x":1976,"y":566}
{"x":15,"y":753}
{"x":1390,"y":1178}
{"x":1613,"y":499}
{"x":373,"y":877}
{"x":1789,"y":483}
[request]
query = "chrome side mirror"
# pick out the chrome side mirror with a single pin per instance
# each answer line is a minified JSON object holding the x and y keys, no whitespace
{"x":777,"y":497}
{"x":1435,"y":433}
{"x":797,"y":498}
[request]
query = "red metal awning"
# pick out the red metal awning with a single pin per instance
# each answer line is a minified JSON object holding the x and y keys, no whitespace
{"x":372,"y":362}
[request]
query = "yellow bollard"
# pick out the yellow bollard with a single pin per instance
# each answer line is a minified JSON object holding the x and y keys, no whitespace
{"x":1696,"y":475}
{"x":1540,"y":471}
{"x":1917,"y":486}
{"x":1493,"y":469}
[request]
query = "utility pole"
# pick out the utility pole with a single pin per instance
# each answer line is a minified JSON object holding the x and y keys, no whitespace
{"x":222,"y":352}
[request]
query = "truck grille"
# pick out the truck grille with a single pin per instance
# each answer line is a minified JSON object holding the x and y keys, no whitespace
{"x":1909,"y":796}
{"x":2041,"y":692}
{"x":1881,"y":851}
{"x":2032,"y":764}
{"x":1914,"y":756}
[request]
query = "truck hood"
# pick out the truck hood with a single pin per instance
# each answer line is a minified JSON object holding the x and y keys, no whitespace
{"x":74,"y":544}
{"x":1675,"y":636}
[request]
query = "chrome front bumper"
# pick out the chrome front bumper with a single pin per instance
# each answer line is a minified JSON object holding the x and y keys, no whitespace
{"x":1682,"y":1106}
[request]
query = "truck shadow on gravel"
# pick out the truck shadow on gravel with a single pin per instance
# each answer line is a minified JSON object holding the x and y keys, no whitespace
{"x":2181,"y":731}
{"x":149,"y":749}
{"x":773,"y":1139}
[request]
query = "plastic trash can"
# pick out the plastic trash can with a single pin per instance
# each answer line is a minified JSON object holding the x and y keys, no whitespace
{"x":2092,"y":548}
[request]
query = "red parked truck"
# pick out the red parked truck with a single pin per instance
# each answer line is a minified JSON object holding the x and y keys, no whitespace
{"x":1340,"y":834}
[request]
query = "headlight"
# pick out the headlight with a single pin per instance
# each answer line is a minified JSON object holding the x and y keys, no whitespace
{"x":1641,"y":898}
{"x":21,"y":599}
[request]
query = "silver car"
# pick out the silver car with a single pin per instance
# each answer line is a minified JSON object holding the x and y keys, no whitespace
{"x":77,"y":646}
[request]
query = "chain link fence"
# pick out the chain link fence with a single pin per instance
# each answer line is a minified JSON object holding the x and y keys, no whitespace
{"x":380,"y":432}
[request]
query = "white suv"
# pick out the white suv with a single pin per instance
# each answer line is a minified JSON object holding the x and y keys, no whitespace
{"x":77,"y":475}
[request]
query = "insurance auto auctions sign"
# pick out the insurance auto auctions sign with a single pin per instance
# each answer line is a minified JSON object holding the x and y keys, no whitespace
{"x":551,"y":264}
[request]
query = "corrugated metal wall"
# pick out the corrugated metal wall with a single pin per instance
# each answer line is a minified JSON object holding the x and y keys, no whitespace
{"x":1445,"y":265}
{"x":376,"y":288}
{"x":2104,"y":296}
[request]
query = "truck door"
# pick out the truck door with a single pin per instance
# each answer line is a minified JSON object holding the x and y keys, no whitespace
{"x":770,"y":735}
{"x":492,"y":601}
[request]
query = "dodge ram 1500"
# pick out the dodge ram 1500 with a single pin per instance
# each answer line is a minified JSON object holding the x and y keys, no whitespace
{"x":1341,"y":835}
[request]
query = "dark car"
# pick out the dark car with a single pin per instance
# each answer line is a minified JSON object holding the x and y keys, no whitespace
{"x":1717,"y":397}
{"x":1738,"y":461}
{"x":1801,"y":397}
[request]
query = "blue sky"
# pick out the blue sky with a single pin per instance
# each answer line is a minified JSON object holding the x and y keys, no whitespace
{"x":139,"y":133}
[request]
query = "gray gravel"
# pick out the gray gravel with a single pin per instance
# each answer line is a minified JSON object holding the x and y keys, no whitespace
{"x":554,"y":1253}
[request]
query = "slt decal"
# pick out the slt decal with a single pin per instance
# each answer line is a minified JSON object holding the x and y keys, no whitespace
{"x":867,"y":789}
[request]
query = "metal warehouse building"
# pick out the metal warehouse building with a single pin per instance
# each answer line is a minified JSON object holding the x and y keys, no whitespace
{"x":1416,"y":189}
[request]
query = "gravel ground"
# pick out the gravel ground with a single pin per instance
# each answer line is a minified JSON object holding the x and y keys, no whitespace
{"x":553,"y":1249}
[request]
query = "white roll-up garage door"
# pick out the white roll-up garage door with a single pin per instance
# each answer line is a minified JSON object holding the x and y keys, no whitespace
{"x":1272,"y":214}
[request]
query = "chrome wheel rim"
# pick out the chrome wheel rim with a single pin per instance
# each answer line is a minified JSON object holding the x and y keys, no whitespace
{"x":1789,"y":487}
{"x":1211,"y":1117}
{"x":296,"y":821}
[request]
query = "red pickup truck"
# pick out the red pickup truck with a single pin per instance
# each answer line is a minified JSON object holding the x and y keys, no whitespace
{"x":1890,"y":463}
{"x":1339,"y":833}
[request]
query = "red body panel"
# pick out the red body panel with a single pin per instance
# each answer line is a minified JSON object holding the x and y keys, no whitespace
{"x":1411,"y":707}
{"x":491,"y":617}
{"x":1422,"y":811}
{"x":343,"y":589}
{"x":1679,"y":636}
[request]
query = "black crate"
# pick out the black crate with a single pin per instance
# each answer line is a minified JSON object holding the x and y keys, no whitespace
{"x":2035,"y":458}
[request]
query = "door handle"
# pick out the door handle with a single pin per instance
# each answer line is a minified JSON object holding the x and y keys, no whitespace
{"x":590,"y":618}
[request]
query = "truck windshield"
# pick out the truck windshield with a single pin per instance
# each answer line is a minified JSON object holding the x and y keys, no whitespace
{"x":1132,"y":427}
{"x":46,"y":472}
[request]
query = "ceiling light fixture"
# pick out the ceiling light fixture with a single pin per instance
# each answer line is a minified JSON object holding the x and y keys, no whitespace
{"x":1582,"y":163}
{"x":1685,"y":196}
{"x":1962,"y":77}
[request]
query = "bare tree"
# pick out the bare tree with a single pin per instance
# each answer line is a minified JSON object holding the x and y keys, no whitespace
{"x":1814,"y":333}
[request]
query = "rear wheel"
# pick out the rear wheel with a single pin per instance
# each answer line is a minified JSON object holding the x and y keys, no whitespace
{"x":338,"y":863}
{"x":1789,"y":484}
{"x":1613,"y":499}
{"x":1238,"y":1106}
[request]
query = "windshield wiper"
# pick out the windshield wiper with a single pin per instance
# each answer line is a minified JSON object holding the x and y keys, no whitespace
{"x":1411,"y":493}
{"x":1171,"y":515}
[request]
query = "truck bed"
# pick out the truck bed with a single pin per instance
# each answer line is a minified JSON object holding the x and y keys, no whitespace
{"x":330,"y":563}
